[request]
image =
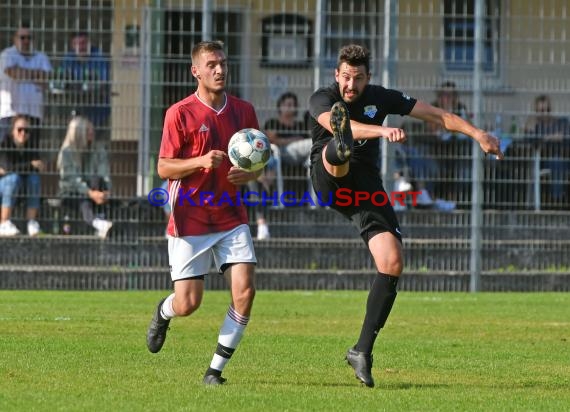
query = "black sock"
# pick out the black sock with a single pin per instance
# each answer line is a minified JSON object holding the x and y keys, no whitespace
{"x":380,"y":300}
{"x":332,"y":156}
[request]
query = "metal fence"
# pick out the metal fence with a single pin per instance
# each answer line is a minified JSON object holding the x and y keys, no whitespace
{"x":424,"y":48}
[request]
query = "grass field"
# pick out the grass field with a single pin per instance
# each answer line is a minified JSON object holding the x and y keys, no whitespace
{"x":85,"y":351}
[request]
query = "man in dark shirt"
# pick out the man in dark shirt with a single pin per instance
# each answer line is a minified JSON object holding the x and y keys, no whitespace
{"x":349,"y":116}
{"x":552,"y":135}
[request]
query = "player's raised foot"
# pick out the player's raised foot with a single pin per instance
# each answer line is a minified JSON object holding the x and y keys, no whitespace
{"x":213,"y":380}
{"x":156,"y":334}
{"x":362,"y":364}
{"x":342,"y":133}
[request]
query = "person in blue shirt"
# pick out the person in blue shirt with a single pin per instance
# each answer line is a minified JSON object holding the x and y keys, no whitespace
{"x":87,"y":74}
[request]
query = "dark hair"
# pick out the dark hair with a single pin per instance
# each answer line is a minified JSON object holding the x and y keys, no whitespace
{"x":543,"y":98}
{"x":79,"y":34}
{"x":449,"y":87}
{"x":354,"y":55}
{"x":448,"y":84}
{"x":16,"y":118}
{"x":285,"y":96}
{"x":206,"y":46}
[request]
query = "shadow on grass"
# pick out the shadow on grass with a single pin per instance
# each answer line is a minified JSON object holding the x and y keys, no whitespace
{"x":407,"y":386}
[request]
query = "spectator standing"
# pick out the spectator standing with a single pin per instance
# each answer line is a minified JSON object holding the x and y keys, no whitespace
{"x":23,"y":78}
{"x":19,"y":167}
{"x":87,"y":73}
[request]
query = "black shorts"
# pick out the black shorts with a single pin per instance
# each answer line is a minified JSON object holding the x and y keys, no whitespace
{"x":370,"y":217}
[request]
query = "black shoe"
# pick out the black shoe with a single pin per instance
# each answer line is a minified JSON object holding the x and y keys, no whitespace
{"x":156,"y":334}
{"x":213,"y":380}
{"x":362,"y":364}
{"x":342,"y":133}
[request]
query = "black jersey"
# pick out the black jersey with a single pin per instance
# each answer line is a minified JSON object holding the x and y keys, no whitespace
{"x":372,"y":107}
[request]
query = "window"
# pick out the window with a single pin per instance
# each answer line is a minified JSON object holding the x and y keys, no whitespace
{"x":286,"y":41}
{"x":350,"y":21}
{"x":459,"y":35}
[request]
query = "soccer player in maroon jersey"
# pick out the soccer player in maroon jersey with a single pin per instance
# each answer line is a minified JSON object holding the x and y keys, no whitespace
{"x":193,"y":157}
{"x":348,"y":117}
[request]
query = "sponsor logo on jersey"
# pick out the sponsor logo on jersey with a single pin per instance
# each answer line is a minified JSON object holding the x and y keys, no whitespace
{"x":204,"y":128}
{"x":370,"y":111}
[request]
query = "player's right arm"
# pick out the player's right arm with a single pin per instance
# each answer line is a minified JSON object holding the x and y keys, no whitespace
{"x":320,"y":104}
{"x":179,"y":168}
{"x":362,"y":131}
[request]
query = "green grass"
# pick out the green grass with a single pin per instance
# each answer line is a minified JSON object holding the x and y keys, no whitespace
{"x":85,"y":351}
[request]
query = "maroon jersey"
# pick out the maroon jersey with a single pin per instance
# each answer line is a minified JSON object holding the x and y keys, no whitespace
{"x":204,"y":201}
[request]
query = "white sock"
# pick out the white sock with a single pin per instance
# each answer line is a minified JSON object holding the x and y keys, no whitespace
{"x":229,"y":338}
{"x":166,"y":310}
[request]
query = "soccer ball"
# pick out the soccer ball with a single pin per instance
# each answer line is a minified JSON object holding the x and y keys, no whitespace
{"x":249,"y":149}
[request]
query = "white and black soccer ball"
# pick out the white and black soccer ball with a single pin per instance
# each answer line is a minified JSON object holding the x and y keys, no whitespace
{"x":249,"y":149}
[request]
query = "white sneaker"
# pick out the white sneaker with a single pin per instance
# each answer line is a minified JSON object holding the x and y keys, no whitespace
{"x":33,"y":227}
{"x":7,"y":228}
{"x":103,"y":226}
{"x":262,"y":231}
{"x":402,"y":185}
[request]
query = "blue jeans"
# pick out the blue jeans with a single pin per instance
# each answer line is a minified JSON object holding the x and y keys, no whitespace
{"x":32,"y":185}
{"x":11,"y":183}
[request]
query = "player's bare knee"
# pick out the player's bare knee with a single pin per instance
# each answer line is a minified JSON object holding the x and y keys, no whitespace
{"x":396,"y":268}
{"x":244,"y":297}
{"x":391,"y":265}
{"x":186,"y":307}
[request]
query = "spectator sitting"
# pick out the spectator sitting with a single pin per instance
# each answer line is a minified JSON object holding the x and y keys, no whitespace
{"x":19,"y":164}
{"x":287,"y":132}
{"x":447,"y":99}
{"x":84,"y":173}
{"x":456,"y":150}
{"x":290,"y":137}
{"x":555,"y":141}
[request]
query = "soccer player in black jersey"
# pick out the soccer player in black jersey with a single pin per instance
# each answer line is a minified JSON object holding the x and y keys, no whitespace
{"x":348,"y":123}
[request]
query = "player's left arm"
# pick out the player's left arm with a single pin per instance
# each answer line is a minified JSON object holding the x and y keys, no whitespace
{"x":239,"y":176}
{"x":454,"y":123}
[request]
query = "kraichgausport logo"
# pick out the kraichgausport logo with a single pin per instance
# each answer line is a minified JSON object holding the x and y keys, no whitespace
{"x":342,"y":197}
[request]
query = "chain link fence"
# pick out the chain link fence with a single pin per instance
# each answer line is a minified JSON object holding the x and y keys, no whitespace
{"x":137,"y":65}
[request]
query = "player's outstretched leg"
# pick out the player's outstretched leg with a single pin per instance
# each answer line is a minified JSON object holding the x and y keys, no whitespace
{"x":362,"y":364}
{"x":156,"y":334}
{"x":342,"y":133}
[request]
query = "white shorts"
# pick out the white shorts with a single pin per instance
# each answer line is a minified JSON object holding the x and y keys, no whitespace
{"x":191,"y":256}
